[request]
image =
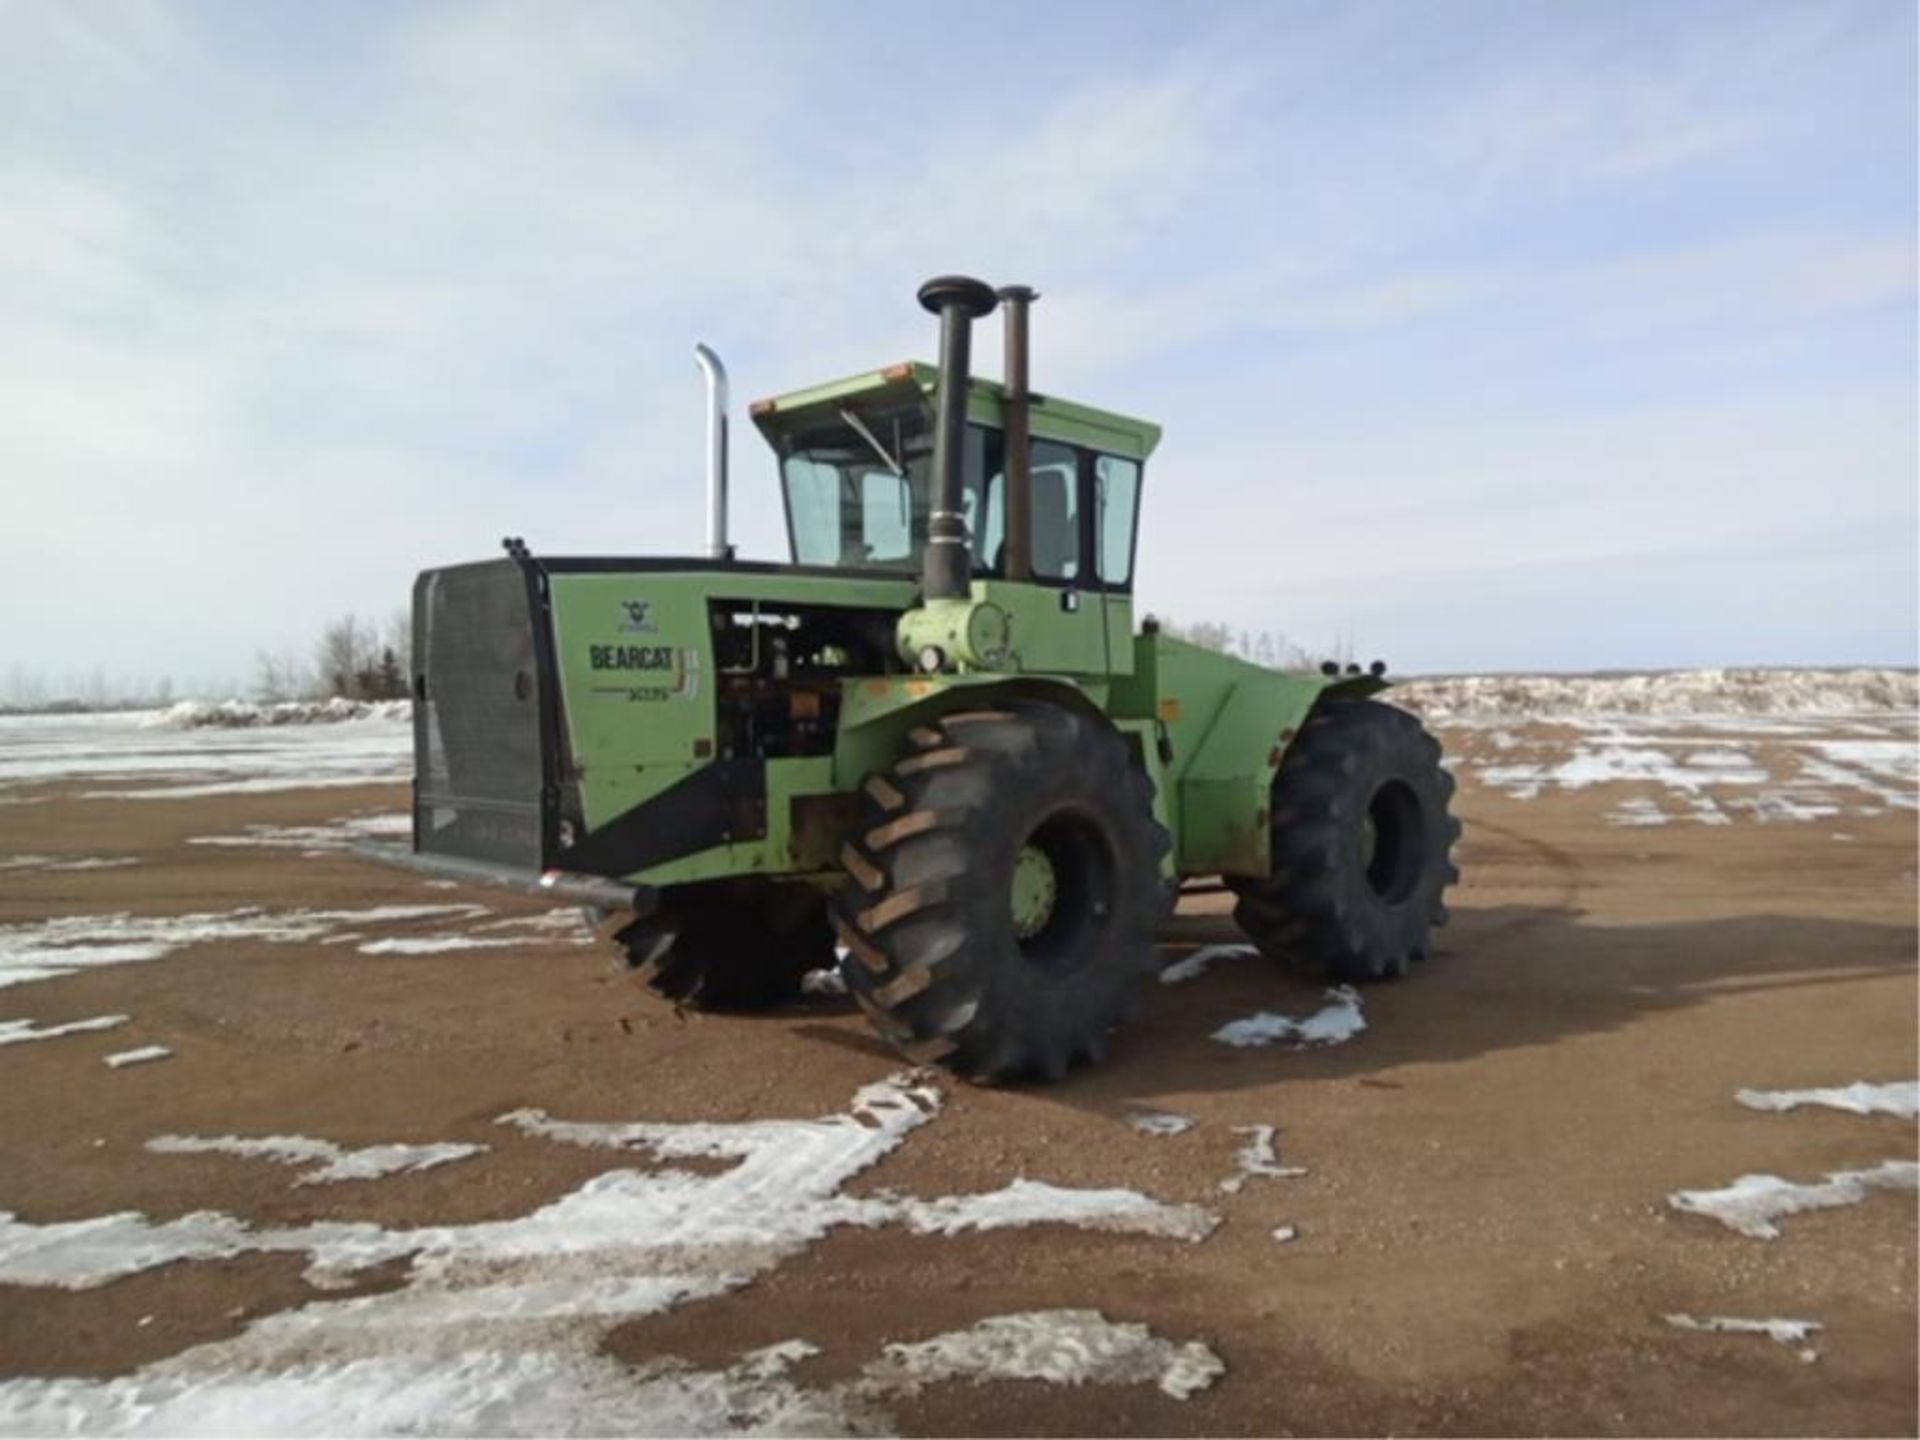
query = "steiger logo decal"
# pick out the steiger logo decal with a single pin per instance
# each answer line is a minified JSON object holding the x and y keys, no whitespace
{"x":639,"y":618}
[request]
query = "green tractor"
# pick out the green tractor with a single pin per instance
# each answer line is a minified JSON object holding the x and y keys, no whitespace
{"x":935,"y":737}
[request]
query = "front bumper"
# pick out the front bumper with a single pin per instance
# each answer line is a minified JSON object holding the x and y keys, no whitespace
{"x":570,"y":885}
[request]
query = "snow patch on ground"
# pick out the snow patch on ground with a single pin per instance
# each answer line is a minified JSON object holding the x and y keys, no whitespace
{"x":1160,"y":1122}
{"x":1806,"y":775}
{"x":1638,"y":811}
{"x":48,"y":949}
{"x":1020,"y":1202}
{"x":144,"y":1055}
{"x":1193,"y":966}
{"x":434,"y":944}
{"x":1034,"y":1202}
{"x":564,"y":921}
{"x":1333,"y":1024}
{"x":1258,"y":1158}
{"x":498,"y":1326}
{"x":827,"y":982}
{"x":329,"y":1163}
{"x":1061,"y":1347}
{"x":145,"y":760}
{"x":1791,"y":1333}
{"x":1753,"y":1203}
{"x":51,"y":863}
{"x":1899,"y":1097}
{"x":18,"y":1032}
{"x":341,"y":834}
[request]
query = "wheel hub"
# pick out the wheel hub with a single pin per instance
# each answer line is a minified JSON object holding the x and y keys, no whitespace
{"x":1035,"y":889}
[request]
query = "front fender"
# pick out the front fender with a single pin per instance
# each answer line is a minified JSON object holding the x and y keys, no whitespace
{"x":877,"y":713}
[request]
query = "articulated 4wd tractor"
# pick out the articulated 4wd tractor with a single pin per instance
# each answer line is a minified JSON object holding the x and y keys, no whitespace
{"x":935,"y":735}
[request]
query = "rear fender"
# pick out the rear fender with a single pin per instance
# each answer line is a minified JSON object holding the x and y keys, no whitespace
{"x":1226,"y":791}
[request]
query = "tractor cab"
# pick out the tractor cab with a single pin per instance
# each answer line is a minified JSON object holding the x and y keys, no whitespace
{"x":856,"y":469}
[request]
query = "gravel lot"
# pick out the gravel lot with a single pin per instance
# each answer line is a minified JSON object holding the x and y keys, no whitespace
{"x":1481,"y":1241}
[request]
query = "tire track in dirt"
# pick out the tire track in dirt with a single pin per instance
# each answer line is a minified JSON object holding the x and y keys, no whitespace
{"x":1568,"y":877}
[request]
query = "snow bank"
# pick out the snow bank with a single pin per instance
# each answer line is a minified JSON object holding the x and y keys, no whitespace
{"x":244,"y":715}
{"x":1678,"y":692}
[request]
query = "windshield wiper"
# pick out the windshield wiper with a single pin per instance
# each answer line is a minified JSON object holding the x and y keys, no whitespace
{"x":859,"y":428}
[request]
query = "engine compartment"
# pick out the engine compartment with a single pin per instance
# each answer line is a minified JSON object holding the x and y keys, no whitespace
{"x":778,"y":669}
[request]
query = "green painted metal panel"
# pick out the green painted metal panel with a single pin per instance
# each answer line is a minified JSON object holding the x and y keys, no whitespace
{"x":1052,"y":418}
{"x":637,"y":667}
{"x":1046,"y":636}
{"x":636,"y":684}
{"x":637,"y":671}
{"x":1227,"y":722}
{"x":780,"y":851}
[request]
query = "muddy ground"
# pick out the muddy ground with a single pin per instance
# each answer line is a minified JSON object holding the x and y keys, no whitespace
{"x":1483,"y":1244}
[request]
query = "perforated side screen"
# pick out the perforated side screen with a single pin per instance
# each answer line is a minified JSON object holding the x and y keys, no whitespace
{"x":476,"y":716}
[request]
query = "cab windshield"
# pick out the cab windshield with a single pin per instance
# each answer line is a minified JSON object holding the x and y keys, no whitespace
{"x":859,"y":485}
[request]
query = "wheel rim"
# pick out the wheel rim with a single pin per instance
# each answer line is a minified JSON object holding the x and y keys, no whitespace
{"x":1035,"y":889}
{"x":1393,"y":842}
{"x":1064,"y":890}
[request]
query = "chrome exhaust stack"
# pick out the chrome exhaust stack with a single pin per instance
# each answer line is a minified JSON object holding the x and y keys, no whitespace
{"x":718,"y":547}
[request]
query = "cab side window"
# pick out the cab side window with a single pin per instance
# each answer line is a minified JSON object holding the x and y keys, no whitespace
{"x":983,"y":500}
{"x":1116,"y":498}
{"x":1056,"y":511}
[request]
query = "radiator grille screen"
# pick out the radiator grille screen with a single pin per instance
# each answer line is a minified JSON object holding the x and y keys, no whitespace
{"x":476,"y":716}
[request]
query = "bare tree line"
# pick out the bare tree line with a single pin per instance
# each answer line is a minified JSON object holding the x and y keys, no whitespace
{"x":27,"y":691}
{"x":1262,"y":647}
{"x":354,"y":659}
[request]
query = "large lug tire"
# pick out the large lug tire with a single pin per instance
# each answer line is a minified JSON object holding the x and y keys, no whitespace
{"x":729,"y":944}
{"x":1002,"y":892}
{"x":1362,"y":846}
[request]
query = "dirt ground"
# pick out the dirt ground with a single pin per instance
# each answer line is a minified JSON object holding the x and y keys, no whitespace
{"x":1483,"y":1244}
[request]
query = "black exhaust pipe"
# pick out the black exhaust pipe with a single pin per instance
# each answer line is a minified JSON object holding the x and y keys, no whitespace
{"x":958,"y":301}
{"x":1019,"y":456}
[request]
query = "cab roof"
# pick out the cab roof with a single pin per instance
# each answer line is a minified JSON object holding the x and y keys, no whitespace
{"x":1050,"y":416}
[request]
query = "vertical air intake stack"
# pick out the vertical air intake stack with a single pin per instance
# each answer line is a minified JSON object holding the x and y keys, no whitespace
{"x":958,"y":301}
{"x":1019,"y":461}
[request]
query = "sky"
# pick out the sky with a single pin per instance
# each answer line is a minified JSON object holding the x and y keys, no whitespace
{"x":1485,"y":336}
